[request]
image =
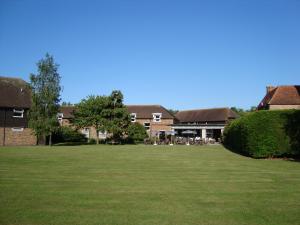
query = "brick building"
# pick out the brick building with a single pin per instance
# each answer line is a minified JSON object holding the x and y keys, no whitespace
{"x":281,"y":97}
{"x":65,"y":118}
{"x":15,"y":101}
{"x":203,"y":123}
{"x":155,"y":118}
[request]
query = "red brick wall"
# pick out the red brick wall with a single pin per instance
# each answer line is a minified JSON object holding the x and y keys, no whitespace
{"x":13,"y":138}
{"x":157,"y":126}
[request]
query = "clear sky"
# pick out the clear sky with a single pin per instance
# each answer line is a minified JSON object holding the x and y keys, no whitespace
{"x":180,"y":54}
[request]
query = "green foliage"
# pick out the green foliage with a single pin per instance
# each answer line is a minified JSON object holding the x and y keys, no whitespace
{"x":68,"y":134}
{"x":105,"y":113}
{"x":292,"y":128}
{"x":263,"y":134}
{"x":90,"y":113}
{"x":66,"y":104}
{"x":173,"y":111}
{"x":92,"y":141}
{"x":242,"y":112}
{"x":46,"y":89}
{"x":117,"y":117}
{"x":136,"y":132}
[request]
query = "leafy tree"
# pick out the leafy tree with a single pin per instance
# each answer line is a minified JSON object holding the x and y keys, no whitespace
{"x":66,"y":104}
{"x":90,"y":113}
{"x":173,"y":111}
{"x":239,"y":111}
{"x":46,"y":89}
{"x":117,"y":116}
{"x":242,"y":112}
{"x":104,"y":113}
{"x":136,"y":132}
{"x":252,"y":109}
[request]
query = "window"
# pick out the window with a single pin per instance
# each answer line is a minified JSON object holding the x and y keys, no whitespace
{"x":60,"y":116}
{"x":17,"y":129}
{"x":18,"y":113}
{"x":102,"y":135}
{"x":147,"y":126}
{"x":156,"y":117}
{"x":133,"y":117}
{"x":209,"y":133}
{"x":86,"y":132}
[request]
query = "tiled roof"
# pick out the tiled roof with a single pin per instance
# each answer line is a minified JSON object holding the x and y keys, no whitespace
{"x":282,"y":95}
{"x":206,"y":115}
{"x":14,"y":93}
{"x":145,"y":111}
{"x":68,"y":111}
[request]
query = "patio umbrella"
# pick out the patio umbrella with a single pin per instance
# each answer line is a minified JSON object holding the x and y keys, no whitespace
{"x":172,"y":133}
{"x":188,"y":132}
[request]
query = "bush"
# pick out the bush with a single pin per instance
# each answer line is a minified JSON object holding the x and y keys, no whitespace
{"x":264,"y":134}
{"x":292,"y":127}
{"x":92,"y":141}
{"x":68,"y":134}
{"x":136,"y":133}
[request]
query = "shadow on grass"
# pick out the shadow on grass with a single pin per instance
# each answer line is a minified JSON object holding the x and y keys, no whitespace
{"x":237,"y":152}
{"x":290,"y":158}
{"x":72,"y":144}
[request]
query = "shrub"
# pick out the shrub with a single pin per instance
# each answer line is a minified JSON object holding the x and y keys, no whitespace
{"x":92,"y":141}
{"x":264,"y":134}
{"x":136,"y":133}
{"x":68,"y":134}
{"x":292,"y":127}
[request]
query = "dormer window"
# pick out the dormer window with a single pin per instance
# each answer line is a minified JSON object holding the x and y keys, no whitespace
{"x":133,"y":117}
{"x":156,"y":117}
{"x":18,"y":113}
{"x":60,"y":116}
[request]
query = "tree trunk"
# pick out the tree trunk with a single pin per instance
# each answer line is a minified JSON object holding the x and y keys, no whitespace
{"x":44,"y":141}
{"x":97,"y":138}
{"x":50,"y":139}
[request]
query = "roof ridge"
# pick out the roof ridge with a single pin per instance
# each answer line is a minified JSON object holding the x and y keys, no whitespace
{"x":167,"y":111}
{"x":189,"y":110}
{"x":17,"y":78}
{"x":292,"y":85}
{"x":145,"y":105}
{"x":15,"y":81}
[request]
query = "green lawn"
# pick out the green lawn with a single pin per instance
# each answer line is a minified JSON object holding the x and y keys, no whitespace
{"x":145,"y":185}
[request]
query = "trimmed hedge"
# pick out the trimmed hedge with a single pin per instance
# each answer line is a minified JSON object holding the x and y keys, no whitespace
{"x":68,"y":134}
{"x":265,"y":134}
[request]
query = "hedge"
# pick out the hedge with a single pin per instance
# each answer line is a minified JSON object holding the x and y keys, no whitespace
{"x":265,"y":134}
{"x":68,"y":134}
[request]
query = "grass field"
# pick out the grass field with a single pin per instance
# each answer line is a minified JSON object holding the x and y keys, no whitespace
{"x":145,"y":185}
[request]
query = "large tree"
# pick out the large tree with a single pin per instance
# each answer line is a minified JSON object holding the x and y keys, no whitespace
{"x":117,"y":117}
{"x":242,"y":112}
{"x":104,"y":113}
{"x":46,"y":89}
{"x":90,"y":113}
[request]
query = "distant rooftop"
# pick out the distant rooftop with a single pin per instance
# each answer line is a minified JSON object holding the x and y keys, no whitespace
{"x":281,"y":95}
{"x":206,"y":115}
{"x":145,"y":111}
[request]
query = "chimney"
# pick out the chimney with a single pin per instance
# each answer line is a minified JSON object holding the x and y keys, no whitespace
{"x":270,"y":88}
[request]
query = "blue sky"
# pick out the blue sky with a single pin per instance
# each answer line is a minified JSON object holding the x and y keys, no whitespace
{"x":181,"y":54}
